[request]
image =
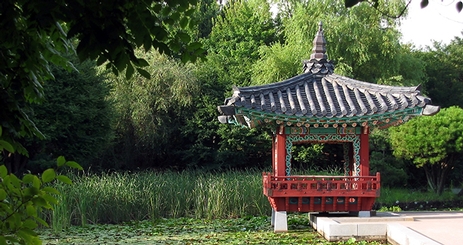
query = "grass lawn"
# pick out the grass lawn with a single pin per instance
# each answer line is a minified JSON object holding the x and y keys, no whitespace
{"x":248,"y":230}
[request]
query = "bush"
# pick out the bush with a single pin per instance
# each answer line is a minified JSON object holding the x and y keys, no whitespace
{"x":22,"y":201}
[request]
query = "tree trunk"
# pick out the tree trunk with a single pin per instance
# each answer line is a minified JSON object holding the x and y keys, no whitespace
{"x":430,"y":177}
{"x":14,"y":162}
{"x":436,"y":175}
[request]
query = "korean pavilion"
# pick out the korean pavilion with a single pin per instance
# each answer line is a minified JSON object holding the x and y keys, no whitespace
{"x":319,"y":106}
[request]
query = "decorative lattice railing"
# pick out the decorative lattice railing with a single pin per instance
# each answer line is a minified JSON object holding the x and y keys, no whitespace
{"x":321,"y":193}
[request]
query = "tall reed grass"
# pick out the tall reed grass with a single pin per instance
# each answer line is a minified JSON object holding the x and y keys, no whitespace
{"x":120,"y":197}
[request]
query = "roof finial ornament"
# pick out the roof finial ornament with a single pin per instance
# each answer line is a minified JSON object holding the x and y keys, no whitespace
{"x":318,"y":62}
{"x":319,"y":42}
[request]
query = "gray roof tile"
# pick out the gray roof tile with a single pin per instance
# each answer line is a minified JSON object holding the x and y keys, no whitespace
{"x":309,"y":95}
{"x":319,"y":93}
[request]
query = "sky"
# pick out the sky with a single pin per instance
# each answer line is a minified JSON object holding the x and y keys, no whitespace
{"x":439,"y":21}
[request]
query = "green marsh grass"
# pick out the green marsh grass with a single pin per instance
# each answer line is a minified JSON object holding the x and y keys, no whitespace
{"x":113,"y":198}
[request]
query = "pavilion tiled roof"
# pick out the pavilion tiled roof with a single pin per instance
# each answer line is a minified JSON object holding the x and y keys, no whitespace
{"x":330,"y":95}
{"x":318,"y":93}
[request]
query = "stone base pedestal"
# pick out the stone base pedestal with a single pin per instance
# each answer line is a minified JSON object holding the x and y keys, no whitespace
{"x":279,"y":221}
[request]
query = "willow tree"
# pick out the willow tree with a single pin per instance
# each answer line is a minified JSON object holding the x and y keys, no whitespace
{"x":362,"y":41}
{"x":150,"y":111}
{"x":433,"y":143}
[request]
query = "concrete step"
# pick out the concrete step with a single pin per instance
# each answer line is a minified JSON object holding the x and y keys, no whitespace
{"x":384,"y":226}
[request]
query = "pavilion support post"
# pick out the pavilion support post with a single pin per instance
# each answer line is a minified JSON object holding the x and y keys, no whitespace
{"x":279,"y":164}
{"x":272,"y":221}
{"x":361,"y":214}
{"x":364,"y":214}
{"x":279,"y":221}
{"x":364,"y":152}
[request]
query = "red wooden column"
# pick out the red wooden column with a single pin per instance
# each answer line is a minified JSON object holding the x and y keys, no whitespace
{"x":279,"y":169}
{"x":364,"y":152}
{"x":279,"y":152}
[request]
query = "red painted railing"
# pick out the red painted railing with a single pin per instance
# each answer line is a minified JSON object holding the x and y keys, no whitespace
{"x":321,"y":193}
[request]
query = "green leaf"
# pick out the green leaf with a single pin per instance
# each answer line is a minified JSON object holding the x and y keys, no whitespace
{"x":14,"y":181}
{"x":36,"y":182}
{"x":21,"y":150}
{"x":166,"y":11}
{"x":1,"y":130}
{"x":102,"y":59}
{"x":175,"y":16}
{"x":64,"y":179}
{"x":185,"y":57}
{"x":30,"y":224}
{"x":190,"y":12}
{"x":129,"y":71}
{"x":48,"y":175}
{"x":350,"y":3}
{"x":7,"y":146}
{"x":31,"y":210}
{"x":141,"y":63}
{"x":183,"y":22}
{"x":2,"y":194}
{"x":27,"y":235}
{"x":194,"y":46}
{"x":31,"y":191}
{"x":51,"y":190}
{"x":28,"y":178}
{"x":41,"y":221}
{"x":184,"y":37}
{"x":147,"y":43}
{"x":50,"y":199}
{"x":3,"y":171}
{"x":144,"y":73}
{"x":73,"y":164}
{"x":39,"y":201}
{"x":121,"y":61}
{"x":424,"y":3}
{"x":12,"y":240}
{"x":60,"y":161}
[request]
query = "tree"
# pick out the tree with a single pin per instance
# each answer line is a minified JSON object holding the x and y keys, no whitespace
{"x":150,"y":113}
{"x":434,"y":143}
{"x":38,"y":32}
{"x":232,"y":47}
{"x":23,"y":199}
{"x":382,"y":160}
{"x":204,"y":15}
{"x":75,"y":119}
{"x":238,"y":32}
{"x":443,"y":73}
{"x":371,"y":51}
